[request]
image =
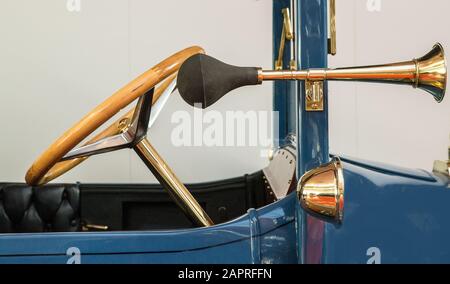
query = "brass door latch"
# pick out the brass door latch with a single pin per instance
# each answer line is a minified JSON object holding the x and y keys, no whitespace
{"x":287,"y":34}
{"x":314,"y":95}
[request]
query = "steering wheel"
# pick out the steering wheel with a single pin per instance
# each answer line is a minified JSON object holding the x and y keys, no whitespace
{"x":128,"y":132}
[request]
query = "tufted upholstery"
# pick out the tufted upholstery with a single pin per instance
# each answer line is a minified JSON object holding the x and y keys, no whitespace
{"x":51,"y":208}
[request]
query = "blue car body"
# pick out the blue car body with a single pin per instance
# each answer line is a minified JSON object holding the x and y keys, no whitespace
{"x":391,"y":215}
{"x":400,"y":214}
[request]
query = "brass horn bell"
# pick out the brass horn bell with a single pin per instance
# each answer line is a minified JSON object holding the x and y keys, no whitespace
{"x":432,"y":73}
{"x":321,"y":192}
{"x":428,"y":73}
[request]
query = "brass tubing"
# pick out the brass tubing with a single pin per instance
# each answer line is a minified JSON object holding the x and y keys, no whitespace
{"x":400,"y":72}
{"x":272,"y":75}
{"x":405,"y":72}
{"x":174,"y":187}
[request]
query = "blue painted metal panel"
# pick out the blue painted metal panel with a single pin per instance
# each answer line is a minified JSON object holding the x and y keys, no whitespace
{"x":266,"y":235}
{"x":312,"y":126}
{"x":312,"y":133}
{"x":404,"y":218}
{"x":389,"y":169}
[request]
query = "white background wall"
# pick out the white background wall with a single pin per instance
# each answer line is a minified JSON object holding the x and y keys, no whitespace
{"x":56,"y":65}
{"x":392,"y":124}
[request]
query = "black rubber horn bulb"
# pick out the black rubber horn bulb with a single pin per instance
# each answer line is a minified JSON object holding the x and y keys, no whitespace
{"x":203,"y":80}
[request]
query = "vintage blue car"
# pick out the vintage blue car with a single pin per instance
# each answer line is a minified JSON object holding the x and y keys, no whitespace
{"x":307,"y":206}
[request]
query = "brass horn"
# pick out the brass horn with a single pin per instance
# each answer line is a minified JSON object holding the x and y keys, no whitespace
{"x":428,"y":73}
{"x":204,"y":79}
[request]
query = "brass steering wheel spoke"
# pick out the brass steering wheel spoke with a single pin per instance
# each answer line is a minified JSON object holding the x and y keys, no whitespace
{"x":176,"y":189}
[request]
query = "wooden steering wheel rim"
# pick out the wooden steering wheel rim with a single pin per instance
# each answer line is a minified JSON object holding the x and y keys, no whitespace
{"x":37,"y":174}
{"x":115,"y":128}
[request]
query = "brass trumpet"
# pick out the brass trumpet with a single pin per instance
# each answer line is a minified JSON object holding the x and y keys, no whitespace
{"x":203,"y":79}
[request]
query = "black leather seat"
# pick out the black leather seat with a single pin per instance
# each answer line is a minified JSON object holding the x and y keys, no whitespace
{"x":122,"y":207}
{"x":50,"y":208}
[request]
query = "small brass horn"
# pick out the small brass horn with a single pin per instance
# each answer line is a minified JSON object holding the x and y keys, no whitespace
{"x":321,"y":192}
